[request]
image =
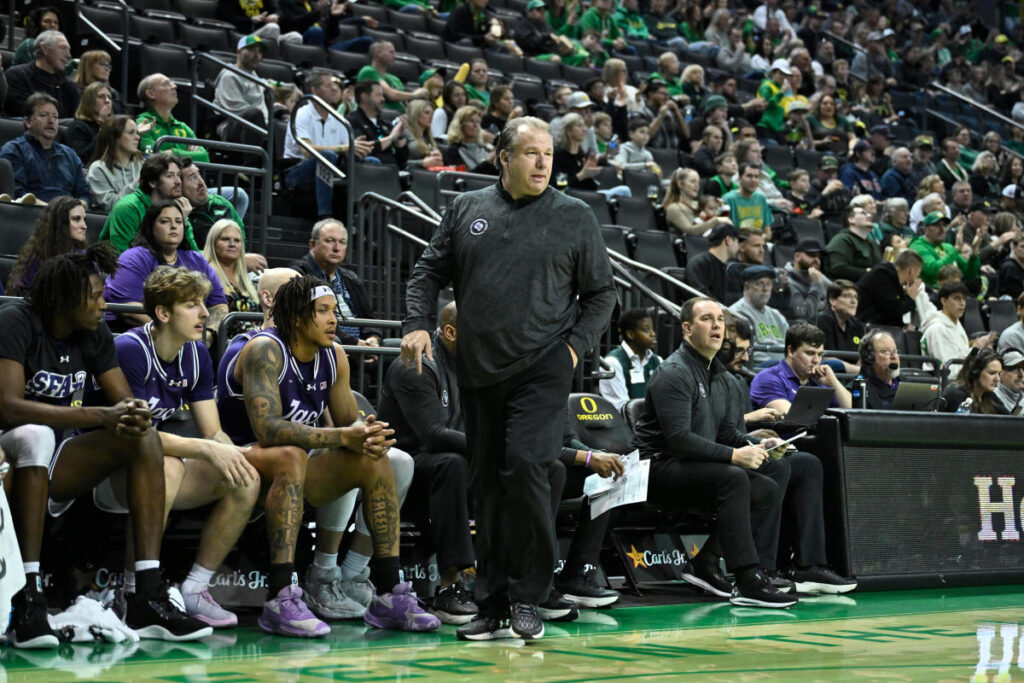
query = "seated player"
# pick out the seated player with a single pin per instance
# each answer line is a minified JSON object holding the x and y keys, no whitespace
{"x":168,"y":366}
{"x":273,"y":392}
{"x":331,"y":591}
{"x":51,"y":343}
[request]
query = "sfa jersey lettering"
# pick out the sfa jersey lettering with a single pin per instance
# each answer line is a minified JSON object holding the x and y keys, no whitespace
{"x":54,"y":385}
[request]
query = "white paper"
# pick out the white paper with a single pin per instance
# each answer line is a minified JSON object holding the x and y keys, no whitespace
{"x":631,"y":487}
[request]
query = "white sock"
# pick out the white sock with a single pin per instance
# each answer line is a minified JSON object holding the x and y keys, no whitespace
{"x":129,"y":581}
{"x":30,"y":567}
{"x":197,"y":581}
{"x":353,"y":564}
{"x":324,"y":562}
{"x":143,"y":565}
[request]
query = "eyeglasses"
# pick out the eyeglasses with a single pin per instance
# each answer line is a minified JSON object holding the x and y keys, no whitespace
{"x":886,"y":353}
{"x":105,"y":65}
{"x":742,"y":351}
{"x":849,"y":297}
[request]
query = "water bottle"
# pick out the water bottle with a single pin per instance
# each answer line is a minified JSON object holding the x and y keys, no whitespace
{"x":965,"y":407}
{"x":562,"y":181}
{"x":613,"y":145}
{"x":689,"y":113}
{"x":859,"y":392}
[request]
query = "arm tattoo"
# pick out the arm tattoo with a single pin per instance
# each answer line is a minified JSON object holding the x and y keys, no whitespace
{"x":260,"y":369}
{"x":382,"y":511}
{"x":284,"y":515}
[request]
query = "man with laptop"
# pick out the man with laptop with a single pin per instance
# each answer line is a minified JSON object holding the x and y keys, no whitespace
{"x":777,"y":386}
{"x":799,"y":475}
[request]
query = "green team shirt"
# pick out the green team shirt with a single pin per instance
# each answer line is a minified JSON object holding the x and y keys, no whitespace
{"x":604,"y":25}
{"x":748,"y":213}
{"x":171,"y":126}
{"x":773,"y":117}
{"x":368,"y":73}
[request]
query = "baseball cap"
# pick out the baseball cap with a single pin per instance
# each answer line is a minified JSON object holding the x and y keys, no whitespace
{"x":982,"y":205}
{"x":1010,"y":190}
{"x":712,"y":102}
{"x":882,"y":129}
{"x":874,"y":36}
{"x":812,"y":10}
{"x":1002,"y":38}
{"x":797,"y":105}
{"x":828,"y":161}
{"x":1007,"y":59}
{"x":249,"y":41}
{"x":924,"y":141}
{"x":888,"y":32}
{"x":934,"y":217}
{"x":965,"y":29}
{"x":757,"y":272}
{"x":535,"y":4}
{"x":1013,"y":359}
{"x":782,"y":65}
{"x":428,"y":74}
{"x":579,"y":100}
{"x":809,"y":245}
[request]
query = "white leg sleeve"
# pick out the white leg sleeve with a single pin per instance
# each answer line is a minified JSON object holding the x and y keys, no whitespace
{"x":29,"y":445}
{"x":335,"y":515}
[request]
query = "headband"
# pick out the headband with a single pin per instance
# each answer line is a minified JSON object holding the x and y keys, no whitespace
{"x":319,"y":291}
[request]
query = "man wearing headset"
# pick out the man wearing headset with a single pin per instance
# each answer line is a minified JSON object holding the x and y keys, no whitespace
{"x":880,"y":367}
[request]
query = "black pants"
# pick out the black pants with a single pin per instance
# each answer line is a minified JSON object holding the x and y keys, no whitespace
{"x":589,"y":534}
{"x":742,"y":499}
{"x":514,"y":434}
{"x":439,"y":500}
{"x":798,"y":514}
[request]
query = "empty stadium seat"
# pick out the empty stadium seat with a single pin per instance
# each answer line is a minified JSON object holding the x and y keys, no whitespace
{"x":396,"y":39}
{"x":173,"y":61}
{"x":425,"y":49}
{"x":153,"y":30}
{"x":1001,"y":314}
{"x":303,"y":56}
{"x":615,"y":238}
{"x":779,"y":157}
{"x":463,"y":53}
{"x":807,"y":228}
{"x":636,"y":212}
{"x":546,"y":70}
{"x":640,"y":183}
{"x":972,"y":321}
{"x":347,"y":61}
{"x":598,"y":424}
{"x":407,"y":21}
{"x":6,"y":177}
{"x":197,"y":9}
{"x":655,"y":248}
{"x":11,"y":129}
{"x":380,"y":178}
{"x":596,"y":201}
{"x":205,"y":38}
{"x":18,"y":222}
{"x":694,"y":245}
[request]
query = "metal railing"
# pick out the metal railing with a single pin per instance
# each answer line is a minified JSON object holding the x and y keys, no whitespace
{"x":324,"y":161}
{"x":121,"y":50}
{"x":259,"y":170}
{"x":981,"y":108}
{"x":268,"y":93}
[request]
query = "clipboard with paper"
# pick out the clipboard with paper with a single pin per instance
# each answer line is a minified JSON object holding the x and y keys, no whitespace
{"x":607,"y":493}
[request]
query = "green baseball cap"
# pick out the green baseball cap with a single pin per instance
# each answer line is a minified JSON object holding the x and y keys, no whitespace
{"x":712,"y":102}
{"x":934,"y":217}
{"x":535,"y":4}
{"x":427,"y":75}
{"x":249,"y":41}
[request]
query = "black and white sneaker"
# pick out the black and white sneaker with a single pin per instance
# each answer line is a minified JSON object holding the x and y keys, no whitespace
{"x":158,"y":618}
{"x":584,"y":591}
{"x":453,"y":604}
{"x":485,"y":628}
{"x":526,"y":622}
{"x":707,"y":576}
{"x":557,"y":608}
{"x":818,"y":580}
{"x":30,"y":627}
{"x":757,"y":591}
{"x":781,"y":583}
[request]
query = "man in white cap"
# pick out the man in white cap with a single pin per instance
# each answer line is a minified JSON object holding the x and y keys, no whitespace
{"x":1012,"y":199}
{"x":873,"y":61}
{"x":1010,"y":391}
{"x":772,"y":91}
{"x":242,"y":96}
{"x":579,"y":103}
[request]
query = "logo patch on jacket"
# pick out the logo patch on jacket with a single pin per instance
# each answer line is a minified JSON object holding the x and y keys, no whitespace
{"x":478,"y":227}
{"x":444,"y":398}
{"x":703,"y":391}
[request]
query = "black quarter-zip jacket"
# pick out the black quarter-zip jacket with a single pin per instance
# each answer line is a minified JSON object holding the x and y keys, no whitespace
{"x":527,"y":274}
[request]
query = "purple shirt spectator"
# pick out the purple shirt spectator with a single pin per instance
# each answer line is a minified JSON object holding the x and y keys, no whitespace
{"x":779,"y":381}
{"x":135,"y":265}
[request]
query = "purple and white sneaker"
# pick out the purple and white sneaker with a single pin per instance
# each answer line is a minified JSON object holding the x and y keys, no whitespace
{"x":287,"y":615}
{"x":400,"y":610}
{"x":203,"y":607}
